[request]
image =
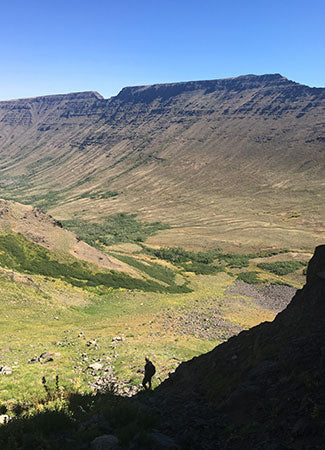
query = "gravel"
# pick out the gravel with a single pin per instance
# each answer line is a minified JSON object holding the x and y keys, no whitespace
{"x":273,"y":297}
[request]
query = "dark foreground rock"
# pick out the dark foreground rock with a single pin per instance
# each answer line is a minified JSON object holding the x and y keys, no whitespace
{"x":262,"y":389}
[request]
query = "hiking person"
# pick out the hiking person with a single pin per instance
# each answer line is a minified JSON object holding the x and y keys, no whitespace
{"x":149,"y":371}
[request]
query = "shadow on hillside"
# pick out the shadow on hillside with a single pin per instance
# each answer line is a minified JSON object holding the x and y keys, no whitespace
{"x":73,"y":421}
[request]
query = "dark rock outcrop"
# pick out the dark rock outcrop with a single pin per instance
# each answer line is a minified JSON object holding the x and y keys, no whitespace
{"x":262,"y":389}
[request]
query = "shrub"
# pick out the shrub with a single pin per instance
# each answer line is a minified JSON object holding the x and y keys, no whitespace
{"x":17,"y":253}
{"x":282,"y":267}
{"x":203,"y":269}
{"x":114,"y":229}
{"x":179,"y":255}
{"x":249,"y":277}
{"x":234,"y":261}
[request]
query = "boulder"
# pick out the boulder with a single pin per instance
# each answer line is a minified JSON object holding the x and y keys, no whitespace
{"x":46,"y":357}
{"x":5,"y":370}
{"x":105,"y":442}
{"x":4,"y":418}
{"x":95,"y":366}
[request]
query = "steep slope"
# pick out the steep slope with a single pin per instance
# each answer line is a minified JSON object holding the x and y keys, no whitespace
{"x":221,"y":160}
{"x":262,"y":389}
{"x":33,"y":242}
{"x":42,"y":229}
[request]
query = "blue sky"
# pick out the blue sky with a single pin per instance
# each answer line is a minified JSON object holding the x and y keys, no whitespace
{"x":67,"y":46}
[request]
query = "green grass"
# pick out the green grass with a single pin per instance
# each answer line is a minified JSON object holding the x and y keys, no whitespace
{"x":157,"y":271}
{"x":179,"y":255}
{"x":249,"y":277}
{"x":282,"y":267}
{"x":114,"y":229}
{"x":199,"y":262}
{"x":19,"y":254}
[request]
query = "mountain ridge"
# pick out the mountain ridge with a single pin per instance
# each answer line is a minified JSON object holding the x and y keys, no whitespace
{"x":176,"y":153}
{"x":250,"y":78}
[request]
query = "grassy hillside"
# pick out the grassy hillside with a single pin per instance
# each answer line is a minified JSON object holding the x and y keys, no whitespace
{"x":173,"y":312}
{"x":116,"y":328}
{"x":231,"y":163}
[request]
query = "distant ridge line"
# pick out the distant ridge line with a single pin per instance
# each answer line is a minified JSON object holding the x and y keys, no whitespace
{"x":196,"y":84}
{"x":70,"y":95}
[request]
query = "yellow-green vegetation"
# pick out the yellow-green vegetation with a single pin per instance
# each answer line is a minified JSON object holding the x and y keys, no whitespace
{"x":17,"y":253}
{"x":60,"y":315}
{"x":48,"y":313}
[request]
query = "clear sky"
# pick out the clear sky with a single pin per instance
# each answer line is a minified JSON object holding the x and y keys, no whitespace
{"x":57,"y":46}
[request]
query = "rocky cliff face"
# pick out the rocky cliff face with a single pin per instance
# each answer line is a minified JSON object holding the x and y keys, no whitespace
{"x":238,"y":138}
{"x":262,"y":389}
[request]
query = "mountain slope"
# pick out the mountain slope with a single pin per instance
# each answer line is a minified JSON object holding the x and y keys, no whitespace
{"x":222,"y":161}
{"x":261,"y":389}
{"x":42,"y":229}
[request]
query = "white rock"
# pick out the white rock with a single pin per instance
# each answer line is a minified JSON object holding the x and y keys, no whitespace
{"x":96,"y":366}
{"x":5,"y":370}
{"x":4,"y":418}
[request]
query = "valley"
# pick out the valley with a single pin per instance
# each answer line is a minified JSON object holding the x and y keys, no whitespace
{"x":234,"y":163}
{"x":159,"y":223}
{"x":125,"y":302}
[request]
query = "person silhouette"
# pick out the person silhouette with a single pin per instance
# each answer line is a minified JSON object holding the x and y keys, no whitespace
{"x":149,"y":371}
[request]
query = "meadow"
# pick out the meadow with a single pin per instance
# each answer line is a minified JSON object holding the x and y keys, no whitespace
{"x":44,"y":310}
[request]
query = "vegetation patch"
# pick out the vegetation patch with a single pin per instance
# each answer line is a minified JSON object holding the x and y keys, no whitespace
{"x":249,"y":277}
{"x":179,"y":255}
{"x":114,"y":229}
{"x":157,"y":271}
{"x":198,"y":262}
{"x":202,"y":269}
{"x":282,"y":267}
{"x":18,"y":254}
{"x":99,"y":195}
{"x":234,"y":261}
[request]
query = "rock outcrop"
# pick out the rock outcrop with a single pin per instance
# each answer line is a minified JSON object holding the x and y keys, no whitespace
{"x":262,"y":389}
